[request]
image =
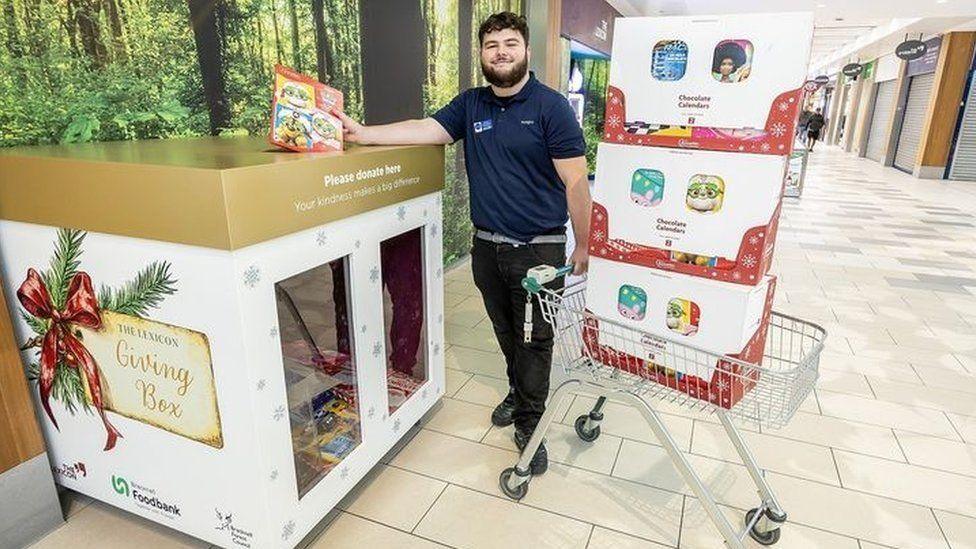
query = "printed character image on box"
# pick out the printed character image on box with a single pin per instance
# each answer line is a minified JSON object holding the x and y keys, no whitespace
{"x":705,"y":193}
{"x":669,"y":60}
{"x":295,"y":94}
{"x":647,"y":187}
{"x":683,"y":316}
{"x":694,"y":259}
{"x":732,"y":61}
{"x":324,"y":128}
{"x":632,"y":302}
{"x":292,"y":127}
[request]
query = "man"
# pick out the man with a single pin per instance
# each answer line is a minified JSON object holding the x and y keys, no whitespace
{"x":814,"y":125}
{"x":525,"y":161}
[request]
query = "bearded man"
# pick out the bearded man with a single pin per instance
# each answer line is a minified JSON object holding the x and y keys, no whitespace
{"x":524,"y":156}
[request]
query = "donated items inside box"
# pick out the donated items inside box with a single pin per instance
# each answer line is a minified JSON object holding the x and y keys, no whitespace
{"x":669,"y":308}
{"x":706,"y":71}
{"x":301,"y":118}
{"x":319,"y":369}
{"x":699,"y":208}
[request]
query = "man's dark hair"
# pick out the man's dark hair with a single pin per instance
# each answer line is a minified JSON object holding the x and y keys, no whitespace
{"x":504,"y":20}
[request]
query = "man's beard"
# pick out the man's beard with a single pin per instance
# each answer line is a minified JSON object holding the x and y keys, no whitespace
{"x":514,"y":76}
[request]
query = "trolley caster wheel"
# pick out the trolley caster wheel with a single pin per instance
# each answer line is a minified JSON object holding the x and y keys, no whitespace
{"x":762,"y":538}
{"x":584,"y":434}
{"x":518,"y":492}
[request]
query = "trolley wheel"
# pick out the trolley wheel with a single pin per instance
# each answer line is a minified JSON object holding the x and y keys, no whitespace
{"x":517,"y":493}
{"x":762,"y":538}
{"x":584,"y":434}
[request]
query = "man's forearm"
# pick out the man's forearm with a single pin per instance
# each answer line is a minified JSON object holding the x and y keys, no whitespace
{"x":424,"y":131}
{"x":580,"y":206}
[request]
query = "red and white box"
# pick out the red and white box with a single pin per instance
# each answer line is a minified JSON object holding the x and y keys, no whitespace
{"x":702,"y":213}
{"x":676,"y":324}
{"x":730,"y":82}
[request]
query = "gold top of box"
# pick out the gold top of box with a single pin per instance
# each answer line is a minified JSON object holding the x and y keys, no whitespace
{"x":224,"y":193}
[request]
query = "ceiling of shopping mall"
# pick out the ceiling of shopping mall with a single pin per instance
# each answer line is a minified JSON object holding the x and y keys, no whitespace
{"x":844,"y":29}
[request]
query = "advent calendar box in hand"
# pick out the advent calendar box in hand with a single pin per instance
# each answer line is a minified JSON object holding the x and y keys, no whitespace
{"x":684,"y":322}
{"x":704,"y":213}
{"x":721,"y":83}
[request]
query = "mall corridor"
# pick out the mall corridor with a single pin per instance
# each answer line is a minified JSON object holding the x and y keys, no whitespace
{"x":883,"y":454}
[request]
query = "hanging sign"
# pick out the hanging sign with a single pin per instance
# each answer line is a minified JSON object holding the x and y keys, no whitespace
{"x":822,"y":79}
{"x":910,"y":49}
{"x":852,"y":70}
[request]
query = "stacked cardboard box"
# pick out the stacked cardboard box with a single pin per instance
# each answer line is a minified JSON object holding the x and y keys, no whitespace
{"x":700,"y":120}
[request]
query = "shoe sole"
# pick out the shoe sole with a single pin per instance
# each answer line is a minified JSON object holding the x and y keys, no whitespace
{"x":498,"y":423}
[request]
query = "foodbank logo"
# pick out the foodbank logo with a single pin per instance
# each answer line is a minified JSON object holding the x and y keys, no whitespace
{"x":121,"y":485}
{"x":144,"y":497}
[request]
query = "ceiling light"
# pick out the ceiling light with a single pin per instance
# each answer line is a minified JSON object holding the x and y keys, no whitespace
{"x":825,"y":5}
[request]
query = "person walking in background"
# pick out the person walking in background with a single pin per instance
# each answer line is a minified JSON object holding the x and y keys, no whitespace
{"x":527,"y":171}
{"x":815,"y":123}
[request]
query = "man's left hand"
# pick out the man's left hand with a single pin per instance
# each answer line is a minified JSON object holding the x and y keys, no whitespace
{"x":580,"y":260}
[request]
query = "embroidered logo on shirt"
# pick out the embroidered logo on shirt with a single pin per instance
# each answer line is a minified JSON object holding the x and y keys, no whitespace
{"x":482,"y":126}
{"x":528,"y":122}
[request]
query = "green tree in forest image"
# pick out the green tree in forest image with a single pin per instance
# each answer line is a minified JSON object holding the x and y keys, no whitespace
{"x":73,"y":71}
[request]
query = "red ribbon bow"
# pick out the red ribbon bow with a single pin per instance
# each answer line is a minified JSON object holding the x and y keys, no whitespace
{"x":80,"y":308}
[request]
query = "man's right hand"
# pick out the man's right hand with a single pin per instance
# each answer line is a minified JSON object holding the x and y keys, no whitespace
{"x":352,"y":131}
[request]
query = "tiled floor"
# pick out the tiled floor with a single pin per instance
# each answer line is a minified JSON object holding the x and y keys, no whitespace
{"x":882,"y":455}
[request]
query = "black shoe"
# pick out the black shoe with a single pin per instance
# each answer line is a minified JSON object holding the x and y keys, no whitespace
{"x":501,"y":416}
{"x":540,"y":461}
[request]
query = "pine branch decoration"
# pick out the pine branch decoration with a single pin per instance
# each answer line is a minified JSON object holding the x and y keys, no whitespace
{"x":64,"y":265}
{"x":146,"y":291}
{"x":39,"y":326}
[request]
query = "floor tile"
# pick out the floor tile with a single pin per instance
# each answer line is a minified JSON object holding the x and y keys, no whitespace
{"x":454,"y":380}
{"x":475,"y":361}
{"x":899,"y":416}
{"x":564,"y":446}
{"x":484,"y":390}
{"x":918,"y":485}
{"x":99,"y":525}
{"x":840,"y":433}
{"x":456,"y":460}
{"x":939,"y":453}
{"x":625,"y":421}
{"x":393,"y":497}
{"x":458,"y":418}
{"x":465,"y":518}
{"x":352,"y":532}
{"x":960,"y":530}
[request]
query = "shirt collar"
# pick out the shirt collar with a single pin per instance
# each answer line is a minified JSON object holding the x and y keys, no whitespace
{"x":522,"y":95}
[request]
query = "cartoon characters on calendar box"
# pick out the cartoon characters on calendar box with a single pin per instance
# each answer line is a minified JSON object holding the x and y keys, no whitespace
{"x":690,"y":82}
{"x":301,"y":113}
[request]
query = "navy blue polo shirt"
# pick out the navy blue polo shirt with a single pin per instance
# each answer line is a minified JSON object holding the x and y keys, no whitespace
{"x":509,"y":146}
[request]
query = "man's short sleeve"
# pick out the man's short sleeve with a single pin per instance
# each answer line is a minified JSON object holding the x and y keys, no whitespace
{"x":452,"y":117}
{"x":564,"y":136}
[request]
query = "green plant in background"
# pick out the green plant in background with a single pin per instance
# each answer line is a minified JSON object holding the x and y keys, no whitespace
{"x":596,"y":72}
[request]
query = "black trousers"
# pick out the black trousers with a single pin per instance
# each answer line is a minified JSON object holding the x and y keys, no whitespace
{"x":498,"y":272}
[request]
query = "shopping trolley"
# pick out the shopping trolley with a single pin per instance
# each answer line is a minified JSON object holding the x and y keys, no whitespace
{"x":771,"y":392}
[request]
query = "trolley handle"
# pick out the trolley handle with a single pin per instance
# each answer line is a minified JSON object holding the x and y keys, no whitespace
{"x":533,"y":282}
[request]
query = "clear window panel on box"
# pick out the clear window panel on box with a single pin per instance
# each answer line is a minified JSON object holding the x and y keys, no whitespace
{"x":320,"y":369}
{"x":402,"y":262}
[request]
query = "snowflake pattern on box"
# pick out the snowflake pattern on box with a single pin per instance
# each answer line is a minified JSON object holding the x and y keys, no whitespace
{"x":374,"y":274}
{"x":321,"y":238}
{"x":252,"y":276}
{"x":287,"y":530}
{"x":401,"y":213}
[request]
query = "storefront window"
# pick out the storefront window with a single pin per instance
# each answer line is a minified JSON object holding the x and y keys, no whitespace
{"x":402,"y":259}
{"x":320,"y":369}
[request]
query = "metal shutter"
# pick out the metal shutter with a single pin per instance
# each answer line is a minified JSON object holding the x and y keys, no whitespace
{"x":964,"y":157}
{"x":919,"y":90}
{"x":884,"y":108}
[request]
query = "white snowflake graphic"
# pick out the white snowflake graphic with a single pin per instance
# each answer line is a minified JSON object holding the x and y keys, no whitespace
{"x":396,"y":425}
{"x":736,"y":275}
{"x":598,"y":235}
{"x":620,"y":137}
{"x":614,"y":121}
{"x":371,"y":412}
{"x":784,"y":106}
{"x":321,"y":238}
{"x":363,"y":329}
{"x":262,"y":384}
{"x":440,"y":319}
{"x":377,"y":349}
{"x":374,"y":274}
{"x":252,"y":276}
{"x":287,"y":530}
{"x":723,"y":385}
{"x":599,"y":217}
{"x":762,"y":235}
{"x":754,"y":240}
{"x":778,"y":129}
{"x":434,"y":230}
{"x":425,"y":212}
{"x":440,"y":272}
{"x":279,"y":413}
{"x":358,"y":244}
{"x":437,"y":349}
{"x":764,"y":147}
{"x":749,"y":261}
{"x":401,"y":213}
{"x":274,"y":475}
